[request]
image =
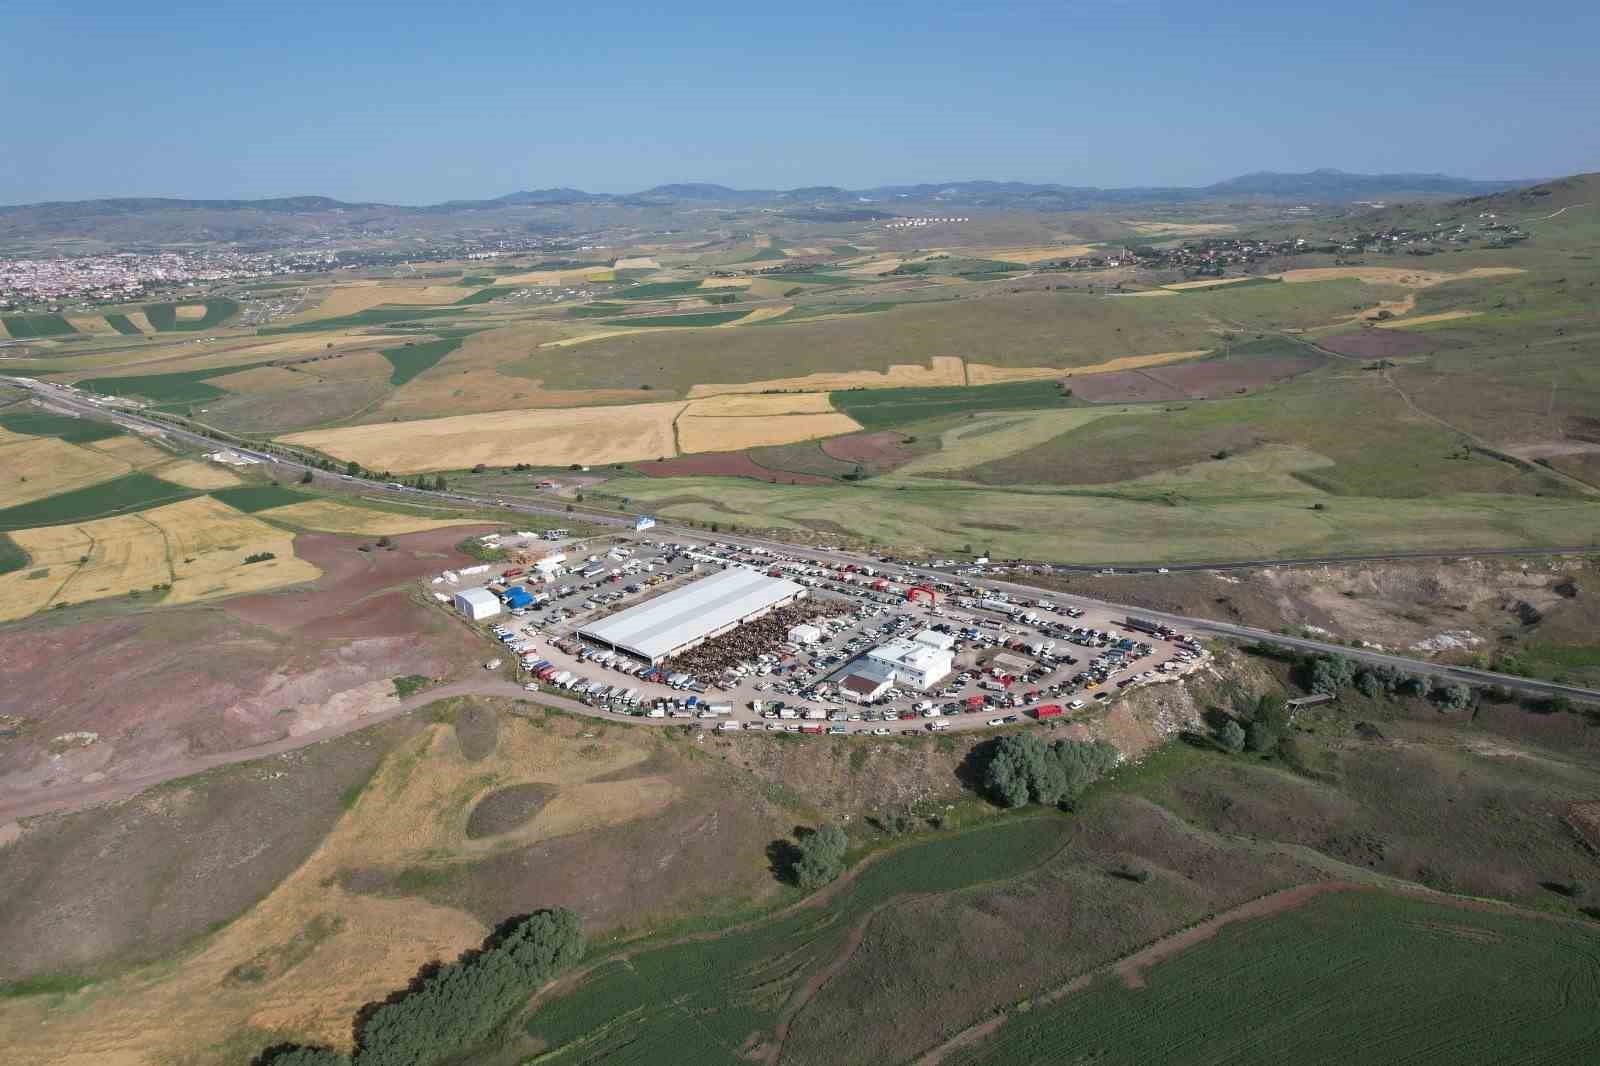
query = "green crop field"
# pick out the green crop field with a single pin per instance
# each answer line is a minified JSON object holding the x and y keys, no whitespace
{"x":12,"y":557}
{"x":131,"y":492}
{"x":659,"y":290}
{"x":44,"y":424}
{"x":27,"y":327}
{"x":1365,"y":977}
{"x":701,"y":318}
{"x":122,"y":324}
{"x":479,"y":279}
{"x":887,"y":408}
{"x":812,"y":277}
{"x":771,"y":251}
{"x":164,"y":316}
{"x":372,"y":316}
{"x":697,"y":1003}
{"x":253,"y":498}
{"x":483,"y":296}
{"x":412,"y":359}
{"x":182,"y":386}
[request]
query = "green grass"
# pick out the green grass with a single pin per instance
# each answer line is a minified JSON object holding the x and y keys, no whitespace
{"x":131,"y":492}
{"x":372,"y":316}
{"x":411,"y":684}
{"x":164,"y":316}
{"x":483,"y":296}
{"x":44,"y":424}
{"x":253,"y":498}
{"x":478,"y":279}
{"x":412,"y":359}
{"x":886,"y":408}
{"x":659,"y":290}
{"x":601,"y":309}
{"x":27,"y":327}
{"x":12,"y":557}
{"x":771,"y":251}
{"x":698,"y":1002}
{"x":812,"y":277}
{"x":124,"y":325}
{"x":702,"y":318}
{"x":56,"y":984}
{"x":1409,"y":981}
{"x":182,"y":386}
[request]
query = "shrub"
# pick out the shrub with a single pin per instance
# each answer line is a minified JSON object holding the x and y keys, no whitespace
{"x":1023,"y":768}
{"x":820,"y":856}
{"x":259,"y":557}
{"x":1232,"y":737}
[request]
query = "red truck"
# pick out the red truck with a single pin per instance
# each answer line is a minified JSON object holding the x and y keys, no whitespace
{"x":1049,"y":710}
{"x":515,"y":571}
{"x":813,"y":728}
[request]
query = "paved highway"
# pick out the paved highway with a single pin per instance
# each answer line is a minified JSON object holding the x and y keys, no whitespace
{"x":74,"y":403}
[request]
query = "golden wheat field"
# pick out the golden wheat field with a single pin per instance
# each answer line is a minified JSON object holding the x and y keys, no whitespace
{"x":32,"y":468}
{"x":941,"y":370}
{"x":553,"y":437}
{"x":196,"y":546}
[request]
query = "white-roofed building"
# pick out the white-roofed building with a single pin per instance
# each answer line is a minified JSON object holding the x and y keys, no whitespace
{"x":935,"y":639}
{"x":804,"y":633}
{"x":477,"y":604}
{"x":911,"y":662}
{"x":684,"y":618}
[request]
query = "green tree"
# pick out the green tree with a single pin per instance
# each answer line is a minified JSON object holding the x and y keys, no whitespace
{"x":1022,"y":768}
{"x":306,"y":478}
{"x":1232,"y":736}
{"x":439,"y":484}
{"x":305,"y":1056}
{"x":821,"y":856}
{"x":353,"y":468}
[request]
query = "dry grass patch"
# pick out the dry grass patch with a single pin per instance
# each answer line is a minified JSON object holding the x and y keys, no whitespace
{"x":1422,"y":320}
{"x":329,"y":516}
{"x":190,"y":312}
{"x":1036,"y":253}
{"x":726,"y":434}
{"x":1204,"y":283}
{"x":638,"y":262}
{"x":1410,"y":278}
{"x":760,"y":314}
{"x":1003,"y":434}
{"x":261,"y":379}
{"x":209,"y":542}
{"x":135,"y":451}
{"x":93,"y":325}
{"x":941,"y":370}
{"x":725,"y":283}
{"x":587,"y":436}
{"x":1146,"y":292}
{"x":32,"y":468}
{"x":193,"y":474}
{"x":359,"y":296}
{"x":782,"y":403}
{"x":1179,"y":229}
{"x":265,"y":972}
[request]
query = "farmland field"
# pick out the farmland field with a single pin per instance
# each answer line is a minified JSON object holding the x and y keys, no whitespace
{"x":122,"y":324}
{"x":376,"y":316}
{"x":167,"y":317}
{"x":182,"y":386}
{"x":28,"y":327}
{"x":887,"y":408}
{"x":412,"y":359}
{"x":131,"y":492}
{"x":1420,"y":982}
{"x":253,"y":498}
{"x":700,"y":318}
{"x":701,"y":1002}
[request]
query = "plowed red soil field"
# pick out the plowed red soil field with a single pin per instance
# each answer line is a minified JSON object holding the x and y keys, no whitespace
{"x":1378,"y":343}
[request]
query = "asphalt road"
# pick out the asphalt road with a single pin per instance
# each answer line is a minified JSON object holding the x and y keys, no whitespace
{"x":74,"y":403}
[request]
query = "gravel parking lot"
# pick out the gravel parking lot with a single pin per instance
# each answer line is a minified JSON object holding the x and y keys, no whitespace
{"x":1015,"y":661}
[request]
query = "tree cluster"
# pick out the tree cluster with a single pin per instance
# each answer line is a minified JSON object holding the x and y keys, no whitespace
{"x":459,"y":1005}
{"x":820,"y":856}
{"x":1023,"y":769}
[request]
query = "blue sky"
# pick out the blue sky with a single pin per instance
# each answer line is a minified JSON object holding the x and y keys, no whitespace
{"x":417,"y":102}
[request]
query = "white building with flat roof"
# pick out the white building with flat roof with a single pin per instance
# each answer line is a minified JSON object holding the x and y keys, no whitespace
{"x":477,"y":604}
{"x":684,"y":618}
{"x":935,"y":639}
{"x":911,"y":662}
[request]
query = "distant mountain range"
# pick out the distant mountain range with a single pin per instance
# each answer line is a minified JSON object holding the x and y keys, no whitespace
{"x":141,"y":221}
{"x":1322,"y":186}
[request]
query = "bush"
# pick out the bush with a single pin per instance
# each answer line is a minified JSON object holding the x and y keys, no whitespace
{"x":1232,"y":737}
{"x":820,"y":856}
{"x":259,"y":557}
{"x":457,"y":1007}
{"x":1023,"y":768}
